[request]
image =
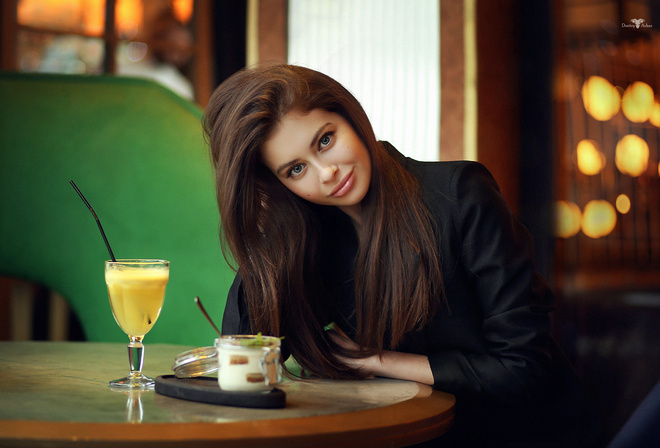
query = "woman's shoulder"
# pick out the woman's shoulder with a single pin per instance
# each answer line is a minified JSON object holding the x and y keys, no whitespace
{"x":450,"y":182}
{"x":447,"y":173}
{"x":457,"y":180}
{"x":443,"y":175}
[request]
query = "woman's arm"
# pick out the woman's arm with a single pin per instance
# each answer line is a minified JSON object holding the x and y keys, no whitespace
{"x":495,"y":273}
{"x":399,"y":365}
{"x":403,"y":366}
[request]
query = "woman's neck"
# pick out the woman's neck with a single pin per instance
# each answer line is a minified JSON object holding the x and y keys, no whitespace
{"x":354,"y":212}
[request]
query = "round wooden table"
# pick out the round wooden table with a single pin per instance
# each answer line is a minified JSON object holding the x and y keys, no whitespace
{"x":56,"y":394}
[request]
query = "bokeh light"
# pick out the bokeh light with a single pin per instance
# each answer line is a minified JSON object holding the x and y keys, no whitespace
{"x":183,"y":10}
{"x":598,"y":218}
{"x":655,"y":114}
{"x":632,"y":155}
{"x":73,"y":16}
{"x":637,"y":102}
{"x":600,"y":98}
{"x":567,"y":219}
{"x":623,"y":204}
{"x":590,"y":160}
{"x":129,"y":18}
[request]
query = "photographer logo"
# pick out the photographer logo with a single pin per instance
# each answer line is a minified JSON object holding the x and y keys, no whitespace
{"x":636,"y":23}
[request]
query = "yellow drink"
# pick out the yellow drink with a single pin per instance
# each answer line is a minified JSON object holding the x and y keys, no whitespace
{"x":136,"y":297}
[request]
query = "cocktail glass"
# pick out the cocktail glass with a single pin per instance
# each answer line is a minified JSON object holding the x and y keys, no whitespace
{"x":136,"y":288}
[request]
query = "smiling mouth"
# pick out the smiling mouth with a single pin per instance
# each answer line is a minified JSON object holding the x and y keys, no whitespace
{"x":343,"y":186}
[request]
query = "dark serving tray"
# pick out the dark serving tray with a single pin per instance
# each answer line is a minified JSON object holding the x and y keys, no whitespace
{"x":206,"y":390}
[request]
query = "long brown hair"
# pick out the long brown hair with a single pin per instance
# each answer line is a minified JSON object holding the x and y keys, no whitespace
{"x":272,"y":234}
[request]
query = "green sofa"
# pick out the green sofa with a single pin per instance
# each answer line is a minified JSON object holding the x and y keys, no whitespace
{"x":137,"y":152}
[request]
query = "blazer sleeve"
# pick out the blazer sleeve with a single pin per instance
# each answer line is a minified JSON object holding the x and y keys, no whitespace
{"x":236,"y":319}
{"x":496,"y":252}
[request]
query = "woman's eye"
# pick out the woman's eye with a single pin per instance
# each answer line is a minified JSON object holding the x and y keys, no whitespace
{"x":325,"y":140}
{"x":296,"y":170}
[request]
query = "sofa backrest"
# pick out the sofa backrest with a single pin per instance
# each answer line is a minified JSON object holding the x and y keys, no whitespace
{"x":137,"y":153}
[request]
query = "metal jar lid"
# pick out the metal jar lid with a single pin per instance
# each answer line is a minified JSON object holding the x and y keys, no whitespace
{"x":196,"y":362}
{"x":247,"y":341}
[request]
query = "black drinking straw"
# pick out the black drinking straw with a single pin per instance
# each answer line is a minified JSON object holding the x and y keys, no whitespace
{"x":73,"y":184}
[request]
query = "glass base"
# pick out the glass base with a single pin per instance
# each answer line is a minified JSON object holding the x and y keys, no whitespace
{"x":133,"y":381}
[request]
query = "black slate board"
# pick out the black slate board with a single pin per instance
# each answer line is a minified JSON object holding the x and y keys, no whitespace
{"x":206,"y":390}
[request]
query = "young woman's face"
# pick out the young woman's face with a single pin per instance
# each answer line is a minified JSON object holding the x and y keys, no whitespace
{"x":319,"y":157}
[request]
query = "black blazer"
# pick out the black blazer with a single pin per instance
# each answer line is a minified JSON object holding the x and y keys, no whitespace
{"x":489,"y":343}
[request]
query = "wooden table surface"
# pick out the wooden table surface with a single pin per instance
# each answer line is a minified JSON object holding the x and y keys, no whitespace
{"x":56,"y":393}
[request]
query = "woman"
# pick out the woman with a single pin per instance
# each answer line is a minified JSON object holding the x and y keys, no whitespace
{"x":370,"y":263}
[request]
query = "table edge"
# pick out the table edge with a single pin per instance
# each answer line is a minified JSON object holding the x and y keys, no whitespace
{"x":415,"y":418}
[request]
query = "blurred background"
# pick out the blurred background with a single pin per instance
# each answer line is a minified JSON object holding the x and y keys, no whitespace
{"x":556,"y":97}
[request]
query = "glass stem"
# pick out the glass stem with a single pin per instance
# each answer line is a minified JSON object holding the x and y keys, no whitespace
{"x":134,"y":411}
{"x":135,"y":355}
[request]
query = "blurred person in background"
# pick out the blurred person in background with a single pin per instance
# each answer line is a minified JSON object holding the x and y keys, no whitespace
{"x":164,"y":58}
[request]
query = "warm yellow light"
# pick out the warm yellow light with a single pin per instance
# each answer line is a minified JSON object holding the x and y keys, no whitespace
{"x":86,"y":16}
{"x":182,"y":10}
{"x":632,"y":155}
{"x":567,"y":219}
{"x":655,"y":114}
{"x":93,"y":16}
{"x":623,"y":204}
{"x":129,"y":18}
{"x":598,"y":219}
{"x":590,"y":160}
{"x":600,"y":98}
{"x":637,"y":102}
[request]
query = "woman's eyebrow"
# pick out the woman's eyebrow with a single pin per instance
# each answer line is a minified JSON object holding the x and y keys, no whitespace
{"x":286,"y":165}
{"x":318,"y":134}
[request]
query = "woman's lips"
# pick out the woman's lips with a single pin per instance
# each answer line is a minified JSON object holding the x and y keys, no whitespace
{"x":344,"y":185}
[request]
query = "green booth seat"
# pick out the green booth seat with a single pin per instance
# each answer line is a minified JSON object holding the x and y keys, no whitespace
{"x":137,"y":152}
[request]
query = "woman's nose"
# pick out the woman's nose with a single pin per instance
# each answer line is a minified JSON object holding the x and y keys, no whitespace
{"x":327,"y":173}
